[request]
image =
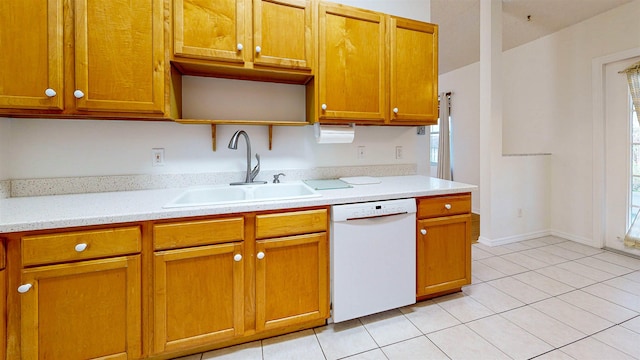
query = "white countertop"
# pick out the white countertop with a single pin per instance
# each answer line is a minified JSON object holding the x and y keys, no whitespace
{"x":60,"y":211}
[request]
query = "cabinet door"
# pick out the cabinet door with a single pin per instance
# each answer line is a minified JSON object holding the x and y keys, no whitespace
{"x":83,"y":310}
{"x":292,"y":280}
{"x":198,"y":296}
{"x":282,"y":33}
{"x":443,"y":254}
{"x":3,"y":314}
{"x":32,"y":41}
{"x":351,"y":65}
{"x":413,"y":72}
{"x":213,"y":30}
{"x":119,"y":56}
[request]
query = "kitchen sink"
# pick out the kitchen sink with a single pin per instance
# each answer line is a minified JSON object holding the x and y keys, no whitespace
{"x":227,"y":194}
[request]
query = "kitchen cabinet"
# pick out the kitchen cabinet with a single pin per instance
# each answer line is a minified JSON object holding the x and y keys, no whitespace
{"x":413,"y":72}
{"x":71,"y":67}
{"x":219,"y":281}
{"x":443,"y":244}
{"x":292,"y":268}
{"x":3,"y":302}
{"x":244,"y":39}
{"x":77,"y":308}
{"x":31,"y":77}
{"x":373,"y":68}
{"x":351,"y":76}
{"x":208,"y":282}
{"x":285,"y":241}
{"x":198,"y":293}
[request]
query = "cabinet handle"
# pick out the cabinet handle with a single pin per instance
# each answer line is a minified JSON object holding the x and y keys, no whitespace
{"x":81,"y":247}
{"x":447,"y":206}
{"x":258,"y":49}
{"x":50,"y":92}
{"x":78,"y":94}
{"x":237,"y":257}
{"x":24,"y":288}
{"x":240,"y":47}
{"x":324,"y":106}
{"x":395,"y":110}
{"x":260,"y":255}
{"x":423,"y":231}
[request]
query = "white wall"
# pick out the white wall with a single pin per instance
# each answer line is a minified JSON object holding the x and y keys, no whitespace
{"x":5,"y":133}
{"x":61,"y":148}
{"x":574,"y":49}
{"x":465,"y":125}
{"x":547,"y":108}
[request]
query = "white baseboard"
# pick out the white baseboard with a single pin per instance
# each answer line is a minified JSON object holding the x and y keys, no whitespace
{"x":537,"y":234}
{"x":576,"y":238}
{"x":514,"y":238}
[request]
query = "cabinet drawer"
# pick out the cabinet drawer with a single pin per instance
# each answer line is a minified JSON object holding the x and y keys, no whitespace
{"x":444,"y":205}
{"x":2,"y":254}
{"x":80,"y":245}
{"x":202,"y":232}
{"x":291,"y":223}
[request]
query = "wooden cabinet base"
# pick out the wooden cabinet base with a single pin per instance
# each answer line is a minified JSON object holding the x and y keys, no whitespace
{"x":245,"y":339}
{"x":435,"y":295}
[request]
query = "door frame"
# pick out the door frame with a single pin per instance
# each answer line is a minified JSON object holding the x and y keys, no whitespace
{"x":599,"y":145}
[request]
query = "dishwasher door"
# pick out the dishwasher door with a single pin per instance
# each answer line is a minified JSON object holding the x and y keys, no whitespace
{"x":373,"y":259}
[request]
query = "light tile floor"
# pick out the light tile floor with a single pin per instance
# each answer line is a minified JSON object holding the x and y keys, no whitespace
{"x":545,"y":298}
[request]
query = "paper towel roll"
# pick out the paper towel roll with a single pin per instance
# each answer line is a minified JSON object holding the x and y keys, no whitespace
{"x":334,"y":134}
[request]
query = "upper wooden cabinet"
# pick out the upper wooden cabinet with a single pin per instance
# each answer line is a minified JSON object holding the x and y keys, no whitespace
{"x":210,"y":29}
{"x":98,"y":58}
{"x":413,"y":72}
{"x":244,"y":39}
{"x":351,"y":77}
{"x":119,"y":56}
{"x":373,"y":69}
{"x":31,"y":69}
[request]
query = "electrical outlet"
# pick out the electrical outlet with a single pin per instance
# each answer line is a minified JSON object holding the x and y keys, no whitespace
{"x":398,"y":152}
{"x":421,"y":130}
{"x":360,"y":152}
{"x":157,"y":157}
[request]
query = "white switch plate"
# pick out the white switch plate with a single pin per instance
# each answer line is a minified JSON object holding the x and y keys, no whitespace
{"x":157,"y":157}
{"x":360,"y":152}
{"x":399,"y":152}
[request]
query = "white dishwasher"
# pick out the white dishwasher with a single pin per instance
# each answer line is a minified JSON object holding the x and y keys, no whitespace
{"x":373,"y":257}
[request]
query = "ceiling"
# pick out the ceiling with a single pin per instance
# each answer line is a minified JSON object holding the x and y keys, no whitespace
{"x":522,"y":21}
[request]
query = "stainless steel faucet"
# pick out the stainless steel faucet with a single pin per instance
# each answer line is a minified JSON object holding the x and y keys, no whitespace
{"x":251,"y":174}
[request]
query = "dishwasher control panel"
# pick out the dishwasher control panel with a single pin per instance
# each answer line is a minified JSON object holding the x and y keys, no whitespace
{"x":373,"y":209}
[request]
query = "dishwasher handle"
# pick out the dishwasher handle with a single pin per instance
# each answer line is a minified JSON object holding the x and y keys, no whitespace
{"x":376,"y":216}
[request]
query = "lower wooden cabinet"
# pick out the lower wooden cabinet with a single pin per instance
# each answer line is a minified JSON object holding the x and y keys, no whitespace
{"x":84,"y":310}
{"x":292,"y":280}
{"x":443,"y":244}
{"x":163,"y":289}
{"x":198,"y":296}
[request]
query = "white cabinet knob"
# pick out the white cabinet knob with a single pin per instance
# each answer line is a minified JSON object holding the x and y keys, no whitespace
{"x":258,"y":49}
{"x":324,"y":106}
{"x":24,"y":288}
{"x":78,"y":94}
{"x":423,"y":231}
{"x":395,"y":110}
{"x":260,"y":255}
{"x":240,"y":47}
{"x":237,"y":257}
{"x":447,"y":206}
{"x":50,"y":92}
{"x":81,"y":247}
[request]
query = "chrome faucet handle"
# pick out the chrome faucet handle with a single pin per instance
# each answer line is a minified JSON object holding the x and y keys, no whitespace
{"x":256,"y":169}
{"x":276,"y":178}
